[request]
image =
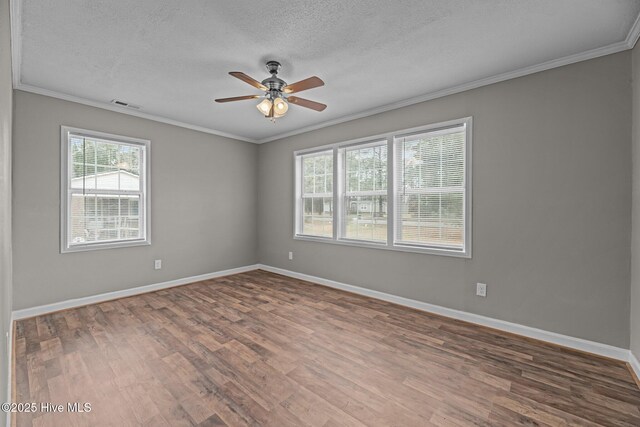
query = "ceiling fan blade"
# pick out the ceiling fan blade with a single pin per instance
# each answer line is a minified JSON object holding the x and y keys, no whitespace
{"x":305,"y":84}
{"x":238,"y":98}
{"x":253,"y":82}
{"x":306,"y":103}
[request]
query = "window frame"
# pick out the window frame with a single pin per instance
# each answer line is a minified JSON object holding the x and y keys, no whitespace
{"x":299,"y":188}
{"x":339,"y":185}
{"x":342,"y":190}
{"x":66,"y":192}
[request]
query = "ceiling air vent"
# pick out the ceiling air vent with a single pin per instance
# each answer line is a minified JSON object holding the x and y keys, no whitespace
{"x":124,"y":104}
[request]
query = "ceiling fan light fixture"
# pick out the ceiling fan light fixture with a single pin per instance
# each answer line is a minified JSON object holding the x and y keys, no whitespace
{"x":280,"y":107}
{"x":264,"y":107}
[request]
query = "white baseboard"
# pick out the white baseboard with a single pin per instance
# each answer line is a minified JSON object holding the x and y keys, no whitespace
{"x":635,"y":365}
{"x":542,"y":335}
{"x":78,"y":302}
{"x":539,"y":334}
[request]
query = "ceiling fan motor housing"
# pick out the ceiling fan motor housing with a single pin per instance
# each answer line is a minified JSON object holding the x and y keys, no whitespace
{"x":274,"y":83}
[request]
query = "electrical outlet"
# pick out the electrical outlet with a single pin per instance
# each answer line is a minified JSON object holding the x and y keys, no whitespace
{"x":158,"y":264}
{"x":290,"y":255}
{"x":481,"y":289}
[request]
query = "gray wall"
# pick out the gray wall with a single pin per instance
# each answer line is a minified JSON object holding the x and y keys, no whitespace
{"x":203,"y":205}
{"x":6,"y":100}
{"x":551,"y":205}
{"x":635,"y":237}
{"x":552,"y":212}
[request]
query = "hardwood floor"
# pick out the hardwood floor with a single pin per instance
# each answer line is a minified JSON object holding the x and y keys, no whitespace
{"x":262,"y":349}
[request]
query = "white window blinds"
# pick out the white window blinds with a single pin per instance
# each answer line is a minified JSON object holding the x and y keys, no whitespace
{"x":430,"y":192}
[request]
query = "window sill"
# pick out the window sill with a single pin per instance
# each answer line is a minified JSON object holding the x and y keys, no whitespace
{"x":385,"y":246}
{"x":108,"y":245}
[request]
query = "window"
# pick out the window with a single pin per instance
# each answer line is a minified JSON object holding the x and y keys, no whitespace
{"x":364,"y":199}
{"x":317,"y":194}
{"x":430,"y":188}
{"x":407,"y":191}
{"x":104,"y":191}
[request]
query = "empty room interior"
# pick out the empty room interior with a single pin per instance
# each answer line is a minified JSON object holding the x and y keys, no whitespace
{"x":320,"y":213}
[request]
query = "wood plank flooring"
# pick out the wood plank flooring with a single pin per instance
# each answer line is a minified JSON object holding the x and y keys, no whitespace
{"x":262,"y":349}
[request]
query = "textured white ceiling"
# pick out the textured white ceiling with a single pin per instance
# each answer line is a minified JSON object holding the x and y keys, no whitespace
{"x":172,"y":57}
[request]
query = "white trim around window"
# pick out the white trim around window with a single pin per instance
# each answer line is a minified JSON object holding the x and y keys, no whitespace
{"x":138,"y":190}
{"x":376,"y":210}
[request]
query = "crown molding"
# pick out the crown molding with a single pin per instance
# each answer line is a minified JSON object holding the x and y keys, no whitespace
{"x":16,"y":67}
{"x":555,"y":63}
{"x":634,"y":33}
{"x":16,"y":56}
{"x":111,"y":107}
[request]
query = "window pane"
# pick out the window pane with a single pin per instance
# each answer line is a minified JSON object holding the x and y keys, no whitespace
{"x":104,"y":166}
{"x":366,"y":168}
{"x":83,"y":167}
{"x":320,"y":184}
{"x":430,"y":205}
{"x":102,"y":218}
{"x":106,"y":154}
{"x":318,"y":216}
{"x":365,"y":215}
{"x":317,"y":173}
{"x":366,"y":218}
{"x":308,"y":168}
{"x":309,"y":184}
{"x":317,"y":194}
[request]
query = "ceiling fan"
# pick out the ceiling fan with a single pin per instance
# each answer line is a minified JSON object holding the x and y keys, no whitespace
{"x":277,"y":93}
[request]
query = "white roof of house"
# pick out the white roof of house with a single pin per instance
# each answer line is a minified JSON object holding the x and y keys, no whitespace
{"x":116,"y":180}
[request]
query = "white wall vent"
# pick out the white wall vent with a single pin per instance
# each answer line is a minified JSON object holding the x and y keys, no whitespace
{"x":124,"y":104}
